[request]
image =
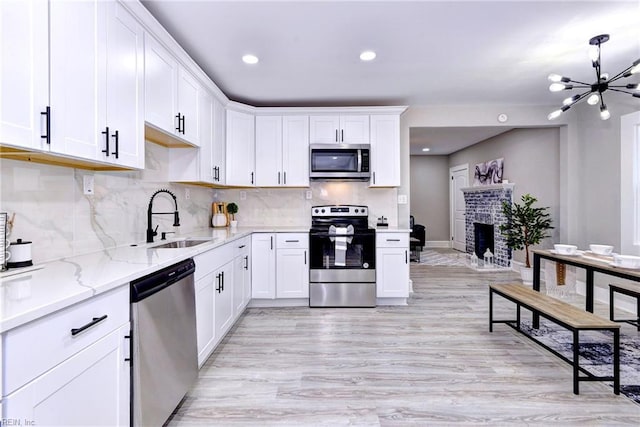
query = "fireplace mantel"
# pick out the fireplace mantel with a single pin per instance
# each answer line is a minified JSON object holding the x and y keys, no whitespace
{"x":478,"y":188}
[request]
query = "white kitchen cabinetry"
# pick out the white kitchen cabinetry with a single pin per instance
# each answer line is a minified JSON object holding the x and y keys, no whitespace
{"x":346,"y":129}
{"x":392,"y":265}
{"x":292,"y":267}
{"x":224,"y":299}
{"x":24,"y":78}
{"x":219,"y":143}
{"x":385,"y":150}
{"x":88,"y":106}
{"x":171,"y":94}
{"x":282,"y":151}
{"x":263,"y":266}
{"x":242,"y":275}
{"x":240,"y":164}
{"x":69,"y":377}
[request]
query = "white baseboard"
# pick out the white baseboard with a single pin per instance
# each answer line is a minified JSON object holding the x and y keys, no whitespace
{"x":437,"y":244}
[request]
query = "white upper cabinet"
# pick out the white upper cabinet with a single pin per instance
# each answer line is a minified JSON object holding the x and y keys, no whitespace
{"x":219,"y":143}
{"x":24,"y":74}
{"x":240,"y":149}
{"x":347,"y":129}
{"x":72,"y":80}
{"x":76,"y":78}
{"x":385,"y":150}
{"x":171,"y":94}
{"x":282,"y":151}
{"x":124,"y":89}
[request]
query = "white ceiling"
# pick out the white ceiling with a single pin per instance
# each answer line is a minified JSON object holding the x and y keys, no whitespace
{"x":428,"y":52}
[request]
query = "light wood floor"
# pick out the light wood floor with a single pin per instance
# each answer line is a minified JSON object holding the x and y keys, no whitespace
{"x":431,"y":363}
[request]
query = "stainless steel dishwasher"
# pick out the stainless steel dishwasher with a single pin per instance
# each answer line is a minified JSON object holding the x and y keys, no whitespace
{"x":164,"y":347}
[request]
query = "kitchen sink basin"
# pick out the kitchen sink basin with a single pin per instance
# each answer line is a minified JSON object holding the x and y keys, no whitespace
{"x":186,"y":243}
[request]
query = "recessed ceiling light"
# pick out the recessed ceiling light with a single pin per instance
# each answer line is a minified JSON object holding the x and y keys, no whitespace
{"x":250,"y":59}
{"x":426,"y":149}
{"x":367,"y":55}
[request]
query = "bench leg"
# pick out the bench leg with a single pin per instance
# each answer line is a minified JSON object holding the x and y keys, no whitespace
{"x":611,"y":304}
{"x":518,"y":317}
{"x":576,"y":362}
{"x":638,"y":313}
{"x":616,"y":361}
{"x":490,"y":310}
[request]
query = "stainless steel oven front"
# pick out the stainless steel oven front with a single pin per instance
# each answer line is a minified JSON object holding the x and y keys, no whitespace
{"x":342,"y":262}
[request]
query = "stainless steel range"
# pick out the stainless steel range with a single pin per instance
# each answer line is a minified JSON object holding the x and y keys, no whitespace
{"x":342,"y":251}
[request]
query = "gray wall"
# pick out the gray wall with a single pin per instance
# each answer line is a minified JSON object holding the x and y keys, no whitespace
{"x":430,"y":195}
{"x":531,"y":162}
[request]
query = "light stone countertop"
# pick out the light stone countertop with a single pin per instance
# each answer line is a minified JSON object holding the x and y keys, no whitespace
{"x":30,"y":293}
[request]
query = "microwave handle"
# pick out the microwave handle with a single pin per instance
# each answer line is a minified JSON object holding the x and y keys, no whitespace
{"x":359,"y":160}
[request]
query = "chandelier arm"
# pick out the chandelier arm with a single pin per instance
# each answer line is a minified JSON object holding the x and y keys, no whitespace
{"x":622,"y":91}
{"x":620,"y":74}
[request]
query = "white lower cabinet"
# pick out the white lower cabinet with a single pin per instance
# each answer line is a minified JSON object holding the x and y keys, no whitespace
{"x":205,"y":315}
{"x":242,"y":275}
{"x":223,"y":297}
{"x":57,"y":375}
{"x":392,"y":265}
{"x":263,"y":265}
{"x":292,"y":266}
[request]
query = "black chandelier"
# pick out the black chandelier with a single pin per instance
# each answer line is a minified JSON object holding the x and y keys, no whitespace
{"x":595,"y":91}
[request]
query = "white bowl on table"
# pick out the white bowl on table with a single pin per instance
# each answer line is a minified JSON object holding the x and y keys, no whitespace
{"x":601,"y":249}
{"x":565,"y":249}
{"x":626,"y":261}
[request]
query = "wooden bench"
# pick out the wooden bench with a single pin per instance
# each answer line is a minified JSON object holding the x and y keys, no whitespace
{"x":565,"y":315}
{"x":632,"y":290}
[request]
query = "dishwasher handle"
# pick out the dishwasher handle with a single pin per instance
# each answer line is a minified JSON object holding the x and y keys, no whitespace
{"x":148,"y":285}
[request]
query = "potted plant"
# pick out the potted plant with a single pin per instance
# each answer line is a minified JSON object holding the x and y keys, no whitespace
{"x":526,"y":225}
{"x":232,"y":209}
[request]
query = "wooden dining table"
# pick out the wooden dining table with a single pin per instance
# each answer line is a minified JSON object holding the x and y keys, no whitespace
{"x":591,"y":263}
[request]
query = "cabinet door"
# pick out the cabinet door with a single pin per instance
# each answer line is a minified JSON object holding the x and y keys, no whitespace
{"x":247,"y":277}
{"x":392,"y":272}
{"x":292,"y":273}
{"x":205,"y":121}
{"x":160,"y":86}
{"x":269,"y":151}
{"x":24,"y":75}
{"x":219,"y":143}
{"x":75,"y":76}
{"x":324,"y":129}
{"x":124,"y":88}
{"x":205,"y":320}
{"x":240,"y":149}
{"x":295,"y":151}
{"x":238,"y":285}
{"x":223,"y":296}
{"x":188,"y":93}
{"x":385,"y":151}
{"x":354,"y":129}
{"x":263,"y":266}
{"x":89,"y":388}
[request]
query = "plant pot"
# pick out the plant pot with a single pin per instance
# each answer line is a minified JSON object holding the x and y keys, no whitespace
{"x":234,"y":223}
{"x":527,"y":275}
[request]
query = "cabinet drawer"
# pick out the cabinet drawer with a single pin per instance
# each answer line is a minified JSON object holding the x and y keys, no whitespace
{"x":292,"y":240}
{"x":241,"y":246}
{"x":392,"y":240}
{"x":34,"y":348}
{"x":208,"y":261}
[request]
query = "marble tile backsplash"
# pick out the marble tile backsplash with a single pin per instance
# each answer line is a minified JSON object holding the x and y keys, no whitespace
{"x":53,"y":212}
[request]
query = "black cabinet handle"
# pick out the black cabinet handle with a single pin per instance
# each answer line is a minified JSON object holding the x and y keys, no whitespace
{"x":246,"y":262}
{"x":47,"y":114}
{"x":292,"y":241}
{"x":374,"y":178}
{"x":128,"y":337}
{"x":241,"y":246}
{"x":219,"y":286}
{"x":278,"y":178}
{"x":183,"y":126}
{"x":106,"y":141}
{"x":251,"y":177}
{"x":271,"y":239}
{"x":336,"y":135}
{"x":305,"y":257}
{"x":393,"y":240}
{"x":222,"y":280}
{"x":178,"y":117}
{"x":342,"y":135}
{"x":95,"y":321}
{"x":285,"y":178}
{"x":116,"y":138}
{"x":406,"y":258}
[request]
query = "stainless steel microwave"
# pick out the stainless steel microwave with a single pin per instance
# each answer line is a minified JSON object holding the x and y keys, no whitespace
{"x":339,"y":162}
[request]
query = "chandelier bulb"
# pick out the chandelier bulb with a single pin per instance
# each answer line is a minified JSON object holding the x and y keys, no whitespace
{"x":570,"y":100}
{"x":604,"y":112}
{"x":594,"y":53}
{"x":593,"y":99}
{"x":634,"y":86}
{"x":558,"y":87}
{"x":554,"y":115}
{"x":556,"y":78}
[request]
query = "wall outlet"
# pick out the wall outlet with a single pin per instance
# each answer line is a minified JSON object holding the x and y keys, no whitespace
{"x":402,"y":199}
{"x":87,"y":184}
{"x":187,"y":194}
{"x":309,"y":195}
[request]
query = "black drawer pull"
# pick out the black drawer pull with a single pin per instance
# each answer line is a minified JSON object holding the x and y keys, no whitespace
{"x":241,"y":246}
{"x":292,"y":241}
{"x":393,"y":240}
{"x":47,"y":114}
{"x":96,"y":320}
{"x":116,"y":137}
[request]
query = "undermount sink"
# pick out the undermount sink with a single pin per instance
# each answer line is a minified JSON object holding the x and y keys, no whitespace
{"x":186,"y":243}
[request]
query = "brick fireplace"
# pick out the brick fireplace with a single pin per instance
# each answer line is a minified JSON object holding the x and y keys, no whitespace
{"x":483,"y":212}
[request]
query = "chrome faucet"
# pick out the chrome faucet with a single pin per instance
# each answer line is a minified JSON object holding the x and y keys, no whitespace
{"x":151,"y":232}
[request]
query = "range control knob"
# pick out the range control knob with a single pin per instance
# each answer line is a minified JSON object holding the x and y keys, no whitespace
{"x":356,"y":210}
{"x":316,"y":211}
{"x":363,"y":210}
{"x":322,"y":211}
